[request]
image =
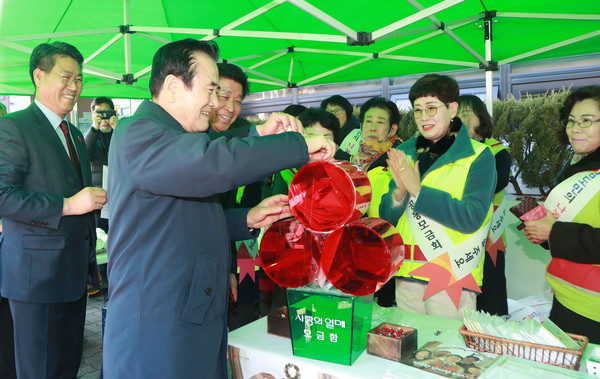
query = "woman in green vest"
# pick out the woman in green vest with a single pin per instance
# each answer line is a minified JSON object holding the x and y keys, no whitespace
{"x":441,"y":198}
{"x":493,"y":298}
{"x":572,"y":224}
{"x":379,"y":119}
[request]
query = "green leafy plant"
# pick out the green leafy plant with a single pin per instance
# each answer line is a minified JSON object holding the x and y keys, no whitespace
{"x":407,"y":127}
{"x":530,"y":128}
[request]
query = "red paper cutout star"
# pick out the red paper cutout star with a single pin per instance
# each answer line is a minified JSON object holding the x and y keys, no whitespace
{"x":439,"y":272}
{"x":246,"y":263}
{"x":455,"y":289}
{"x":493,"y":248}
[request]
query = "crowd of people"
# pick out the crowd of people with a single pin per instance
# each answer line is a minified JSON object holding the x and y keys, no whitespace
{"x":191,"y":184}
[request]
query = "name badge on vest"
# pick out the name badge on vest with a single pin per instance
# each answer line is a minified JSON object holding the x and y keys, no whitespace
{"x":351,"y":143}
{"x":433,"y":240}
{"x":568,"y":198}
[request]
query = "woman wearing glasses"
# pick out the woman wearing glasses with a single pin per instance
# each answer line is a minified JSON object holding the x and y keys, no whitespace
{"x":341,"y":108}
{"x":474,"y":115}
{"x":572,"y":223}
{"x":441,"y":195}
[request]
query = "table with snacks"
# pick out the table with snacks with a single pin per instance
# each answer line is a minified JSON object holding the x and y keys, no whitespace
{"x":331,"y":259}
{"x":255,"y":354}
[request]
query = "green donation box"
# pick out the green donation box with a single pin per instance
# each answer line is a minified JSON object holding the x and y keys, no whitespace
{"x":329,"y":325}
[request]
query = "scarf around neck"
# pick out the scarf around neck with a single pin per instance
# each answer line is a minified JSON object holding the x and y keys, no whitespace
{"x":428,"y":151}
{"x":369,"y":151}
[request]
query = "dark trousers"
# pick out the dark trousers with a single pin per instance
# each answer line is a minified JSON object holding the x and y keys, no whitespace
{"x":246,"y":309}
{"x":48,"y":338}
{"x":240,"y":314}
{"x":493,"y":297}
{"x":574,"y":323}
{"x":386,"y":296}
{"x":279,"y":298}
{"x":7,"y":350}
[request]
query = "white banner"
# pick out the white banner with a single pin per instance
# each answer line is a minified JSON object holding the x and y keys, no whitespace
{"x":498,"y":224}
{"x":351,"y":143}
{"x":433,"y":240}
{"x":568,"y":198}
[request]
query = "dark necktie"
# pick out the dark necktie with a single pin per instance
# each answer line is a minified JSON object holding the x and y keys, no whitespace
{"x":72,"y":152}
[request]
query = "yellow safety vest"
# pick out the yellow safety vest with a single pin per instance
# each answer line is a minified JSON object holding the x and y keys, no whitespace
{"x":497,"y":147}
{"x":450,"y":178}
{"x":577,"y":285}
{"x":380,"y":178}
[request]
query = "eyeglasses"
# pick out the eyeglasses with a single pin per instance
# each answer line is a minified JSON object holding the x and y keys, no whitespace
{"x":66,"y":80}
{"x":582,"y":123}
{"x":335,"y":111}
{"x":465,"y":112}
{"x":430,"y":110}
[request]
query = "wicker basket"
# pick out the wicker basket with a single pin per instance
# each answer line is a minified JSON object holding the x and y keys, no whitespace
{"x":557,"y":356}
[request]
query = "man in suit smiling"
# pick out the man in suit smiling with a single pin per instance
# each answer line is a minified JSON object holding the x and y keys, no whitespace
{"x":168,"y":246}
{"x":46,"y":201}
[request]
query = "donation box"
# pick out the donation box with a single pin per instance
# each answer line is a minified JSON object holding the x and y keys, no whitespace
{"x":328,"y":325}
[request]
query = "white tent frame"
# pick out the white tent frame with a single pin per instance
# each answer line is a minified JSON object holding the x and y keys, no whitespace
{"x":345,"y":33}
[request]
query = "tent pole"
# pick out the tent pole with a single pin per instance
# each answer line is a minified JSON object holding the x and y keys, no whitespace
{"x":127,"y":39}
{"x":489,"y":82}
{"x":385,"y":88}
{"x":489,"y":85}
{"x":291,"y":70}
{"x":505,"y":89}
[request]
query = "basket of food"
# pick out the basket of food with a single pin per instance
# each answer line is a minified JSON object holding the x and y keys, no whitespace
{"x":557,"y":356}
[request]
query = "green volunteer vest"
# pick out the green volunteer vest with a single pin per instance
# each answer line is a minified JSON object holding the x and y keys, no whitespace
{"x":450,"y":178}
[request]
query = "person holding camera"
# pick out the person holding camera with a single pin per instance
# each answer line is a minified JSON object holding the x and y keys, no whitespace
{"x":97,"y":141}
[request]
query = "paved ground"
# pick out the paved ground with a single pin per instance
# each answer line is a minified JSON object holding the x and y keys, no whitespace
{"x":92,"y":340}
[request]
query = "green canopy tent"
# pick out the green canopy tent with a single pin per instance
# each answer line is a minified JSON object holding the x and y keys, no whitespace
{"x":295,"y":43}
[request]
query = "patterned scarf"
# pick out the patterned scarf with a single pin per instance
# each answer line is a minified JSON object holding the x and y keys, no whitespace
{"x":369,"y":151}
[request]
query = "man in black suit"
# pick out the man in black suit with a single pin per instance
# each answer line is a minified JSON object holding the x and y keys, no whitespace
{"x":7,"y":351}
{"x":46,"y":202}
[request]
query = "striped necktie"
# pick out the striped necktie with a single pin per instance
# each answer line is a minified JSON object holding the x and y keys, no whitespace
{"x":72,"y":152}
